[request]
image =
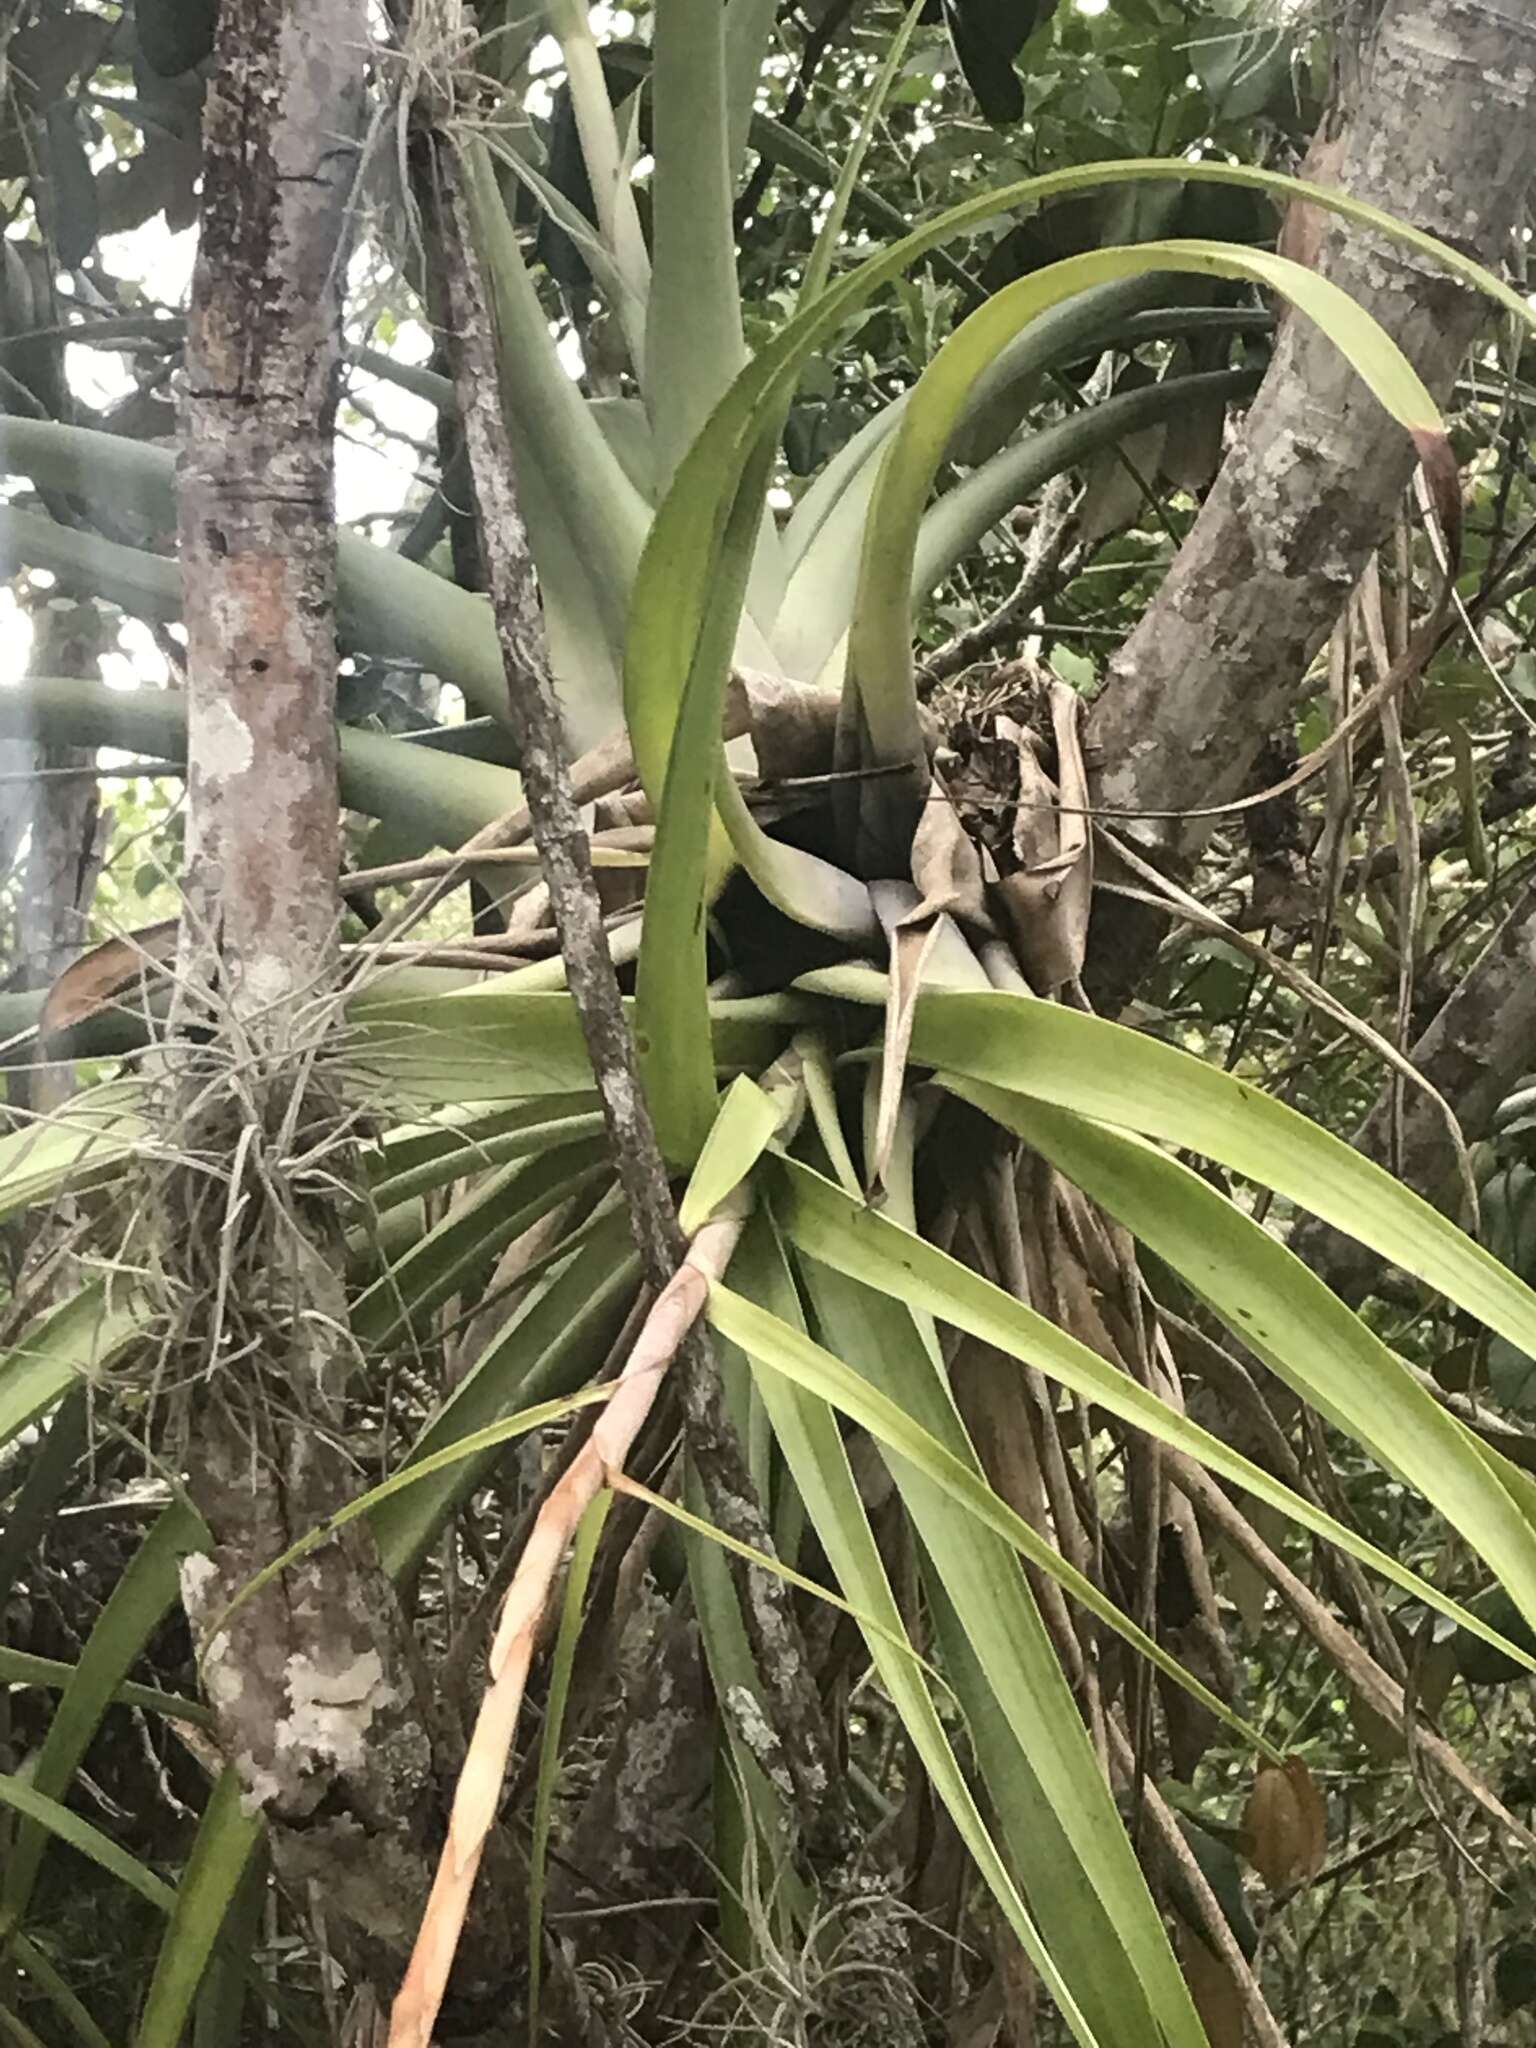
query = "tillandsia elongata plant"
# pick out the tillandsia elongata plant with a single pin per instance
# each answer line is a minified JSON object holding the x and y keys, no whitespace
{"x":740,"y":1297}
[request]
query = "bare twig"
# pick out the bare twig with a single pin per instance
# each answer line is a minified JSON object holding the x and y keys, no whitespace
{"x":1358,"y":1668}
{"x":1214,"y":1924}
{"x":1052,"y":530}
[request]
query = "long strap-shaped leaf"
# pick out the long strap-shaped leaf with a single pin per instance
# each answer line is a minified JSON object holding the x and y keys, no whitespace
{"x":1122,"y":1077}
{"x":59,"y":1351}
{"x":439,"y":798}
{"x":511,"y":1200}
{"x":880,"y":642}
{"x":858,"y":1241}
{"x":226,"y":1839}
{"x":80,"y":1834}
{"x":544,"y":1353}
{"x":392,"y":604}
{"x":134,"y":1610}
{"x":837,"y":1381}
{"x":1078,"y":1871}
{"x":679,"y":564}
{"x":86,"y":1139}
{"x":807,"y":1433}
{"x":1290,"y":1319}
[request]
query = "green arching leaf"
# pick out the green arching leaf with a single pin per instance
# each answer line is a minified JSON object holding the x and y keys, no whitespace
{"x":60,"y":1351}
{"x":1290,"y":1319}
{"x":219,"y":2010}
{"x":807,"y":1433}
{"x":822,"y":591}
{"x":479,"y":1228}
{"x":34,"y":1964}
{"x":431,"y":1156}
{"x":544,"y":1352}
{"x":604,"y":157}
{"x":492,"y":1438}
{"x":576,"y":228}
{"x":1078,"y":327}
{"x":748,"y":34}
{"x":145,"y":584}
{"x":1080,"y":1869}
{"x":747,"y":1120}
{"x":1104,"y":1070}
{"x":52,"y":1674}
{"x":491,"y":1044}
{"x":700,"y":1526}
{"x":49,"y":1469}
{"x":854,"y":1239}
{"x":954,"y":523}
{"x":134,"y":1609}
{"x":821,"y":1099}
{"x":677,"y":571}
{"x":83,"y":1142}
{"x":437,"y":798}
{"x":880,"y":639}
{"x":757,"y":1821}
{"x":845,"y":1388}
{"x":604,"y":516}
{"x":579,"y":617}
{"x":89,"y":1841}
{"x":227,"y":1838}
{"x":688,"y":596}
{"x":671,"y":1000}
{"x":693,"y":338}
{"x":389,"y":606}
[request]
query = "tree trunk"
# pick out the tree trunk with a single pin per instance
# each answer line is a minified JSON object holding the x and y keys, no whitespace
{"x":1443,"y":135}
{"x":311,"y":1678}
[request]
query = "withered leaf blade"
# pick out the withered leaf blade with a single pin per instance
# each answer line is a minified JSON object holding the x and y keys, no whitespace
{"x":1287,"y":1825}
{"x":1046,"y":903}
{"x":100,"y":978}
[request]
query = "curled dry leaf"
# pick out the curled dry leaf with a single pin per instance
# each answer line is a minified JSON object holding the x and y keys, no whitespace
{"x":99,"y":979}
{"x":1286,"y":1824}
{"x":1046,"y":900}
{"x":949,"y":873}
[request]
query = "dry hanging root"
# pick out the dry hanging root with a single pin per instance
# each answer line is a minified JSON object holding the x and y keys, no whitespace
{"x":675,"y":1311}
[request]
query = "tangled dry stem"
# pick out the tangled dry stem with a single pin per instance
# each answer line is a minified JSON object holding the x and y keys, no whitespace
{"x":846,"y":1984}
{"x":250,"y":1168}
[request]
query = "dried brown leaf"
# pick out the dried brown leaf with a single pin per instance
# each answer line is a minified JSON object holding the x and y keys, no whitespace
{"x":97,"y":980}
{"x":1286,"y":1824}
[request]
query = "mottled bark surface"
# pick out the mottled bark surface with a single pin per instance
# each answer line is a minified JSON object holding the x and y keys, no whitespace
{"x":1443,"y":134}
{"x":311,"y":1679}
{"x":258,"y":545}
{"x":60,"y":811}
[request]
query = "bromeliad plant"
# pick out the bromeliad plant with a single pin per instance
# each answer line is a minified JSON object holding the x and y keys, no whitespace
{"x":916,"y":1209}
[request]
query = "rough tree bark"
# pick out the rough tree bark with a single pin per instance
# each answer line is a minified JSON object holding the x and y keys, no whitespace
{"x":311,"y":1679}
{"x":1442,"y":134}
{"x":68,"y":833}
